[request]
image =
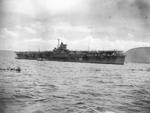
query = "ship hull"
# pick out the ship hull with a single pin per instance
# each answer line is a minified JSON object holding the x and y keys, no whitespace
{"x":101,"y":60}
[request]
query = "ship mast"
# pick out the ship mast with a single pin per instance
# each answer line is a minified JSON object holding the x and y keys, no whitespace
{"x":88,"y":45}
{"x":58,"y":43}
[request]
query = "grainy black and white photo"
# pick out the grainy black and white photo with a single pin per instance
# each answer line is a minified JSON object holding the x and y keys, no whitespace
{"x":74,"y":56}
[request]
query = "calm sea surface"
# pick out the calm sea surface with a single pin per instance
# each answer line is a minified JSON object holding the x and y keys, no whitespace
{"x":63,"y":87}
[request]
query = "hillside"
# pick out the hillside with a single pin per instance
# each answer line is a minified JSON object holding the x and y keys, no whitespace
{"x":138,"y":55}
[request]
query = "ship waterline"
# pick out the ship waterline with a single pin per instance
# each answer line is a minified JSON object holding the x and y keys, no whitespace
{"x":61,"y":53}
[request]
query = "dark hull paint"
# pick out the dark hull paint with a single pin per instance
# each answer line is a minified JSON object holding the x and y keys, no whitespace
{"x":61,"y":53}
{"x":107,"y":60}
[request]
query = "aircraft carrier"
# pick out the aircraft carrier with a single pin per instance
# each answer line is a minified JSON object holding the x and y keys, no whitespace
{"x":61,"y":53}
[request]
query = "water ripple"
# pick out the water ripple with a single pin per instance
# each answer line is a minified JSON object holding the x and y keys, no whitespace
{"x":63,"y":87}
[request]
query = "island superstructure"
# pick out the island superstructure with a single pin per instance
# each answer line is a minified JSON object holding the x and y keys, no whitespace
{"x":61,"y":53}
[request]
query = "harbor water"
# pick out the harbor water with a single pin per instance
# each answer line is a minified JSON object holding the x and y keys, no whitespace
{"x":65,"y":87}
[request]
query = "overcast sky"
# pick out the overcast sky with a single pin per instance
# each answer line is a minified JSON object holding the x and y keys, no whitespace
{"x":101,"y":24}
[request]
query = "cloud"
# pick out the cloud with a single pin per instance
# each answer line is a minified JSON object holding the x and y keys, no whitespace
{"x":136,"y":9}
{"x":125,"y":17}
{"x":103,"y":44}
{"x":47,"y":20}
